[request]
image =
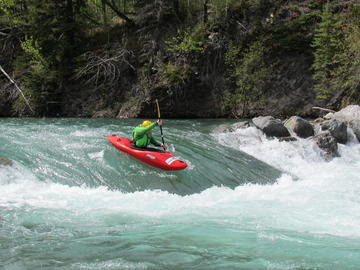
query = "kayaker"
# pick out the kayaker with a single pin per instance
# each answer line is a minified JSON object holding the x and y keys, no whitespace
{"x":142,"y":137}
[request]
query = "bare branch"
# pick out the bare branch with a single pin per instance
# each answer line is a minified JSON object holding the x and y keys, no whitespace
{"x":105,"y":67}
{"x":17,"y":87}
{"x":112,"y":5}
{"x":323,"y":109}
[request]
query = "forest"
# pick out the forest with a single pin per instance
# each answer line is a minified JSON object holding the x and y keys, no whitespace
{"x":199,"y":58}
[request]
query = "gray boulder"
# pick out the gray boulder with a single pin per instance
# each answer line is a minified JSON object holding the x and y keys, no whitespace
{"x":329,"y":116}
{"x":318,"y":120}
{"x":270,"y":126}
{"x":104,"y":114}
{"x":349,"y":113}
{"x":355,"y":126}
{"x":300,"y":126}
{"x":287,"y":139}
{"x":5,"y":162}
{"x":232,"y":128}
{"x":337,"y":129}
{"x":223,"y":129}
{"x":327,"y":143}
{"x":243,"y":124}
{"x":351,"y":116}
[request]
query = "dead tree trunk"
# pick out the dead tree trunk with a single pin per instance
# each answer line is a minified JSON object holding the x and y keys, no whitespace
{"x":17,"y":87}
{"x":205,"y":9}
{"x":111,"y":4}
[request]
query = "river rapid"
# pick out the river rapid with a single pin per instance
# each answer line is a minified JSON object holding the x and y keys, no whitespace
{"x":72,"y":201}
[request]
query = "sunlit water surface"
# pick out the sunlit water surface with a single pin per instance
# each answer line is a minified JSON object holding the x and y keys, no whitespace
{"x":72,"y":201}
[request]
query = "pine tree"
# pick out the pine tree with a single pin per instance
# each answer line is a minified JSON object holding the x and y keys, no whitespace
{"x":327,"y":43}
{"x":250,"y":74}
{"x":346,"y":76}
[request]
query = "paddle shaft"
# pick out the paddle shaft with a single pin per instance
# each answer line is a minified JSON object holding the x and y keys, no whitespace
{"x":161,"y":131}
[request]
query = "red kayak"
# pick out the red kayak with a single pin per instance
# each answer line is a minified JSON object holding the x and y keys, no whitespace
{"x":154,"y":157}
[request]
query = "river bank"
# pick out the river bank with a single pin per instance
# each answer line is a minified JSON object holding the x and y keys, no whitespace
{"x":289,"y":93}
{"x":237,"y":59}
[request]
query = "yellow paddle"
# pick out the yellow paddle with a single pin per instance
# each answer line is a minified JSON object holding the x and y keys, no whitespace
{"x":158,"y":111}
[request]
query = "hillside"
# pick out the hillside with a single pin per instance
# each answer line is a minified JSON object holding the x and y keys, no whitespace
{"x":207,"y":59}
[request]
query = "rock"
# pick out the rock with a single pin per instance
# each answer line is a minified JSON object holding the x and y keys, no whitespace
{"x":104,"y":114}
{"x":270,"y":126}
{"x":232,"y":128}
{"x":243,"y":124}
{"x":300,"y":126}
{"x":351,"y":116}
{"x":223,"y":129}
{"x":337,"y":129}
{"x":5,"y":162}
{"x":319,"y":120}
{"x":328,"y":144}
{"x":351,"y":112}
{"x":355,"y":126}
{"x":287,"y":139}
{"x":132,"y":108}
{"x":329,"y":116}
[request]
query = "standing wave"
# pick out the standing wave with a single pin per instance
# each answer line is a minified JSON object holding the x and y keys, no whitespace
{"x":71,"y":201}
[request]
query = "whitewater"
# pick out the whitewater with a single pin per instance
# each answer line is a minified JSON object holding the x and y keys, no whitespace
{"x":72,"y":201}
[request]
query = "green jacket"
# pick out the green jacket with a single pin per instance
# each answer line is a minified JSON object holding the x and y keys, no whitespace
{"x":143,"y":139}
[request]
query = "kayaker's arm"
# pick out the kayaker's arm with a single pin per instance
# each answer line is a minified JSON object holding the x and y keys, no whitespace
{"x":154,"y":142}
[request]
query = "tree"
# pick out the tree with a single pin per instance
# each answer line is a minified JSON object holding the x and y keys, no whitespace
{"x":346,"y":75}
{"x":206,"y":15}
{"x":327,"y":43}
{"x":112,"y":4}
{"x":250,"y":74}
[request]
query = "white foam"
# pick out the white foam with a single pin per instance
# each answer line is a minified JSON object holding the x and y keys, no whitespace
{"x":110,"y":264}
{"x":316,"y":205}
{"x":324,"y":197}
{"x":97,"y":155}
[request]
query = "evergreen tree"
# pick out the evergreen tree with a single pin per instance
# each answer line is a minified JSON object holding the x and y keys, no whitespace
{"x":250,"y":74}
{"x":327,"y":43}
{"x":346,"y":76}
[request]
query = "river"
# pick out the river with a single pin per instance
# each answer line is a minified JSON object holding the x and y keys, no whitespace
{"x":72,"y":201}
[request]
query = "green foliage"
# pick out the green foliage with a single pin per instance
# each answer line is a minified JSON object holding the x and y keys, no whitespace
{"x":19,"y":106}
{"x":294,"y":34}
{"x":345,"y":77}
{"x":185,"y":43}
{"x":232,"y":55}
{"x":173,"y":75}
{"x":46,"y":35}
{"x":32,"y":50}
{"x":37,"y":86}
{"x":250,"y":75}
{"x":6,"y":12}
{"x":49,"y":32}
{"x":315,"y":3}
{"x":39,"y":80}
{"x":5,"y":5}
{"x":327,"y":43}
{"x":220,"y":7}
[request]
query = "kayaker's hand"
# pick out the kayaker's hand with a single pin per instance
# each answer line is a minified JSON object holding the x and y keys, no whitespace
{"x":163,"y":146}
{"x":159,"y":122}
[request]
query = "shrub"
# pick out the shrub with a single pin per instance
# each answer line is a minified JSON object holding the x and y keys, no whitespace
{"x":249,"y":74}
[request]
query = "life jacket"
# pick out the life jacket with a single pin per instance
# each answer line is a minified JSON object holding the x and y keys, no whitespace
{"x":143,"y":141}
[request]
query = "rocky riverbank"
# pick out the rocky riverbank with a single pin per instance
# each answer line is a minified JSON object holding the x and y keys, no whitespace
{"x":326,"y":132}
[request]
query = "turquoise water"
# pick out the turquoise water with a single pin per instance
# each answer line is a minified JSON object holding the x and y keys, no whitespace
{"x":72,"y":201}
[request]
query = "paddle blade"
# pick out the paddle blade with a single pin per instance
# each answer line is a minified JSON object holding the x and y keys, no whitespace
{"x":158,"y":108}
